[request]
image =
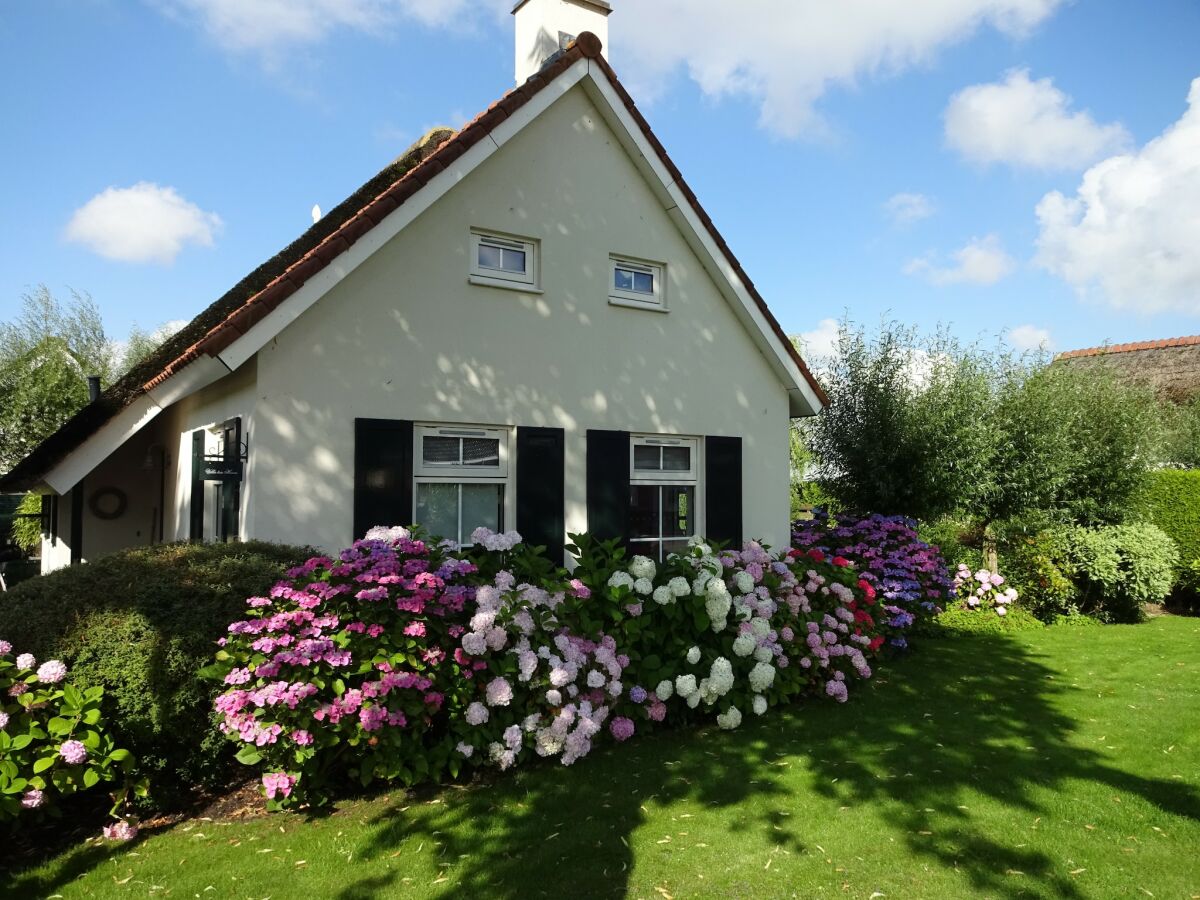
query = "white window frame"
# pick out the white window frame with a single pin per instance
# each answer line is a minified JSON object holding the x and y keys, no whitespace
{"x":450,"y":474}
{"x":655,"y":301}
{"x":526,"y":281}
{"x":690,"y":478}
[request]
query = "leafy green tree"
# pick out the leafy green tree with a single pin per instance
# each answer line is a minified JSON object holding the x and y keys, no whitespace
{"x":932,"y":428}
{"x":46,"y":355}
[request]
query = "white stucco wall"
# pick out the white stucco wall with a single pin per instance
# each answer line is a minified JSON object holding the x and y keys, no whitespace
{"x":405,"y":336}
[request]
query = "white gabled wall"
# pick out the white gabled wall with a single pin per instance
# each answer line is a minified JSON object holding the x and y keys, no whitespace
{"x":405,"y":336}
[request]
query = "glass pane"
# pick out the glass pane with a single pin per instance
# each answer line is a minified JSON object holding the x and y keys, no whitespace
{"x":514,"y":261}
{"x":646,"y":548}
{"x":439,"y":451}
{"x":643,"y":510}
{"x":482,"y":504}
{"x":646,"y":459}
{"x":490,"y":257}
{"x":623,"y":280}
{"x":643,"y":282}
{"x":677,"y":459}
{"x":437,"y":509}
{"x":670,"y":547}
{"x":679,"y":502}
{"x":481,"y":452}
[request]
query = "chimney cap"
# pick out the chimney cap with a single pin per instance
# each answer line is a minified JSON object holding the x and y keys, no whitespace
{"x":598,"y":5}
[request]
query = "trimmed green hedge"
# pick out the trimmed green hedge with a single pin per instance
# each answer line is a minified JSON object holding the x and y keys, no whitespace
{"x":142,"y":623}
{"x":1172,"y":501}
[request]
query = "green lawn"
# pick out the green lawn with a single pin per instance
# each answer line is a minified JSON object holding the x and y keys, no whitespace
{"x":1058,"y":763}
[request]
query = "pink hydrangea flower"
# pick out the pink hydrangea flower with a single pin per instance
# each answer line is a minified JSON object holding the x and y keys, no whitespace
{"x":622,"y":728}
{"x":121,"y":831}
{"x":26,"y":661}
{"x":73,"y":752}
{"x":32,"y":799}
{"x":51,"y":672}
{"x":278,"y":783}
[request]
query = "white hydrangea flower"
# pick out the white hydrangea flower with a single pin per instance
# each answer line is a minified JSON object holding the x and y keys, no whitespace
{"x":745,"y":584}
{"x":720,"y":677}
{"x":693,"y":655}
{"x":730,"y":719}
{"x":763,"y":654}
{"x":759,"y":626}
{"x":643,"y":586}
{"x":744,"y":644}
{"x":760,"y":704}
{"x":595,"y":679}
{"x":620,"y":579}
{"x":693,"y":699}
{"x":700,"y":585}
{"x":663,"y":596}
{"x":716,"y":588}
{"x":685,"y":685}
{"x":665,"y":689}
{"x":642,"y":567}
{"x":762,"y":677}
{"x":679,"y":586}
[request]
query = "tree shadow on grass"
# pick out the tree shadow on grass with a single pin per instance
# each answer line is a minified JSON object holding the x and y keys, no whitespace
{"x":976,"y":714}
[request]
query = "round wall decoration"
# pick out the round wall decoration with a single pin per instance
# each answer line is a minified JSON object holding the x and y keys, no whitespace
{"x":108,"y":503}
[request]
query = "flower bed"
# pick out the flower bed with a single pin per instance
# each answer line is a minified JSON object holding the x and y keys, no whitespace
{"x":905,"y":570}
{"x":404,"y":660}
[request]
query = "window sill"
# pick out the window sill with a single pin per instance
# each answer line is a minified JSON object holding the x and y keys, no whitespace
{"x":637,"y":304}
{"x":521,"y":287}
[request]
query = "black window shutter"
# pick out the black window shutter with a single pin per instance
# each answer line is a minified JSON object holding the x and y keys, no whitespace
{"x":54,"y":506}
{"x":723,"y":490}
{"x":608,"y":484}
{"x":196,"y":508}
{"x":383,"y":473}
{"x":77,"y":524}
{"x":47,"y":516}
{"x":540,"y":494}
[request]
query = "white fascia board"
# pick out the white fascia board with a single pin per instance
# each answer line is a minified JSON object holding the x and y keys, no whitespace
{"x":324,"y":281}
{"x":129,"y":421}
{"x":803,"y":401}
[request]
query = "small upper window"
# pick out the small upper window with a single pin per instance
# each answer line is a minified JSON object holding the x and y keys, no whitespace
{"x":637,"y":284}
{"x":463,"y":451}
{"x":503,"y":261}
{"x":663,"y":458}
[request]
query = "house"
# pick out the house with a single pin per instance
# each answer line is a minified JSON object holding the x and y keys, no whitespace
{"x":1170,"y":366}
{"x":530,"y":323}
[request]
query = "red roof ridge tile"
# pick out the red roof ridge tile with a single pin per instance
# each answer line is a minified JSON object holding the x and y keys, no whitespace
{"x":1160,"y":344}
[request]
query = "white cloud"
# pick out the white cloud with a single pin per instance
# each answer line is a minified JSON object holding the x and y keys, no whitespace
{"x":1131,"y":231}
{"x":905,"y":208}
{"x":143,"y":223}
{"x":982,"y":261}
{"x":270,"y":27}
{"x":785,"y":56}
{"x":820,"y":342}
{"x":1030,"y":337}
{"x":1027,"y":123}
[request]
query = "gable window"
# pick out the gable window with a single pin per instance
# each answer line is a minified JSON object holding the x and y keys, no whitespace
{"x":637,"y":284}
{"x":460,"y":476}
{"x":503,"y":261}
{"x":663,"y":487}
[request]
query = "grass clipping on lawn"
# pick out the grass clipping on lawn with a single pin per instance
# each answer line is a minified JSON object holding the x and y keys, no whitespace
{"x":1062,"y":762}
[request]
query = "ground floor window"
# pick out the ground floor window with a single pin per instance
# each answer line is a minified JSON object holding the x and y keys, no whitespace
{"x":460,"y":479}
{"x":664,"y":482}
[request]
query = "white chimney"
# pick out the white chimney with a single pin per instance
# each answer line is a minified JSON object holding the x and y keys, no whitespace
{"x":546,"y":26}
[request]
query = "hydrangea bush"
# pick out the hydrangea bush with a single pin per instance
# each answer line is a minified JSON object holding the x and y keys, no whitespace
{"x":52,"y":738}
{"x":403,"y":659}
{"x":905,"y":570}
{"x":984,"y":590}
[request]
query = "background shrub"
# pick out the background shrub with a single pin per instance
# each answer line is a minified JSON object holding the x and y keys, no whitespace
{"x":1172,"y":502}
{"x":1116,"y":569}
{"x":141,"y":623}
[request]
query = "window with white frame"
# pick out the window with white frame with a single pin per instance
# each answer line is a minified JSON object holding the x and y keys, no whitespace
{"x":663,"y":494}
{"x":460,"y":476}
{"x":503,"y":261}
{"x":637,"y":283}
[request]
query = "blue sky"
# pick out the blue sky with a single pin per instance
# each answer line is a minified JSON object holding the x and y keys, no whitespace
{"x":795,"y":123}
